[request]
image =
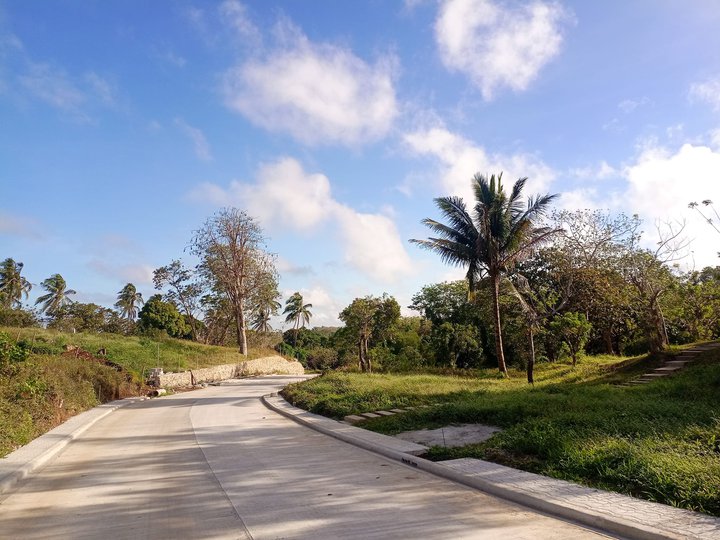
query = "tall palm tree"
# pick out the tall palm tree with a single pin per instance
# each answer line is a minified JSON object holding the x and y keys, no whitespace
{"x":12,"y":285}
{"x":128,"y":301}
{"x":297,"y":312}
{"x":261,"y":320}
{"x":57,"y":294}
{"x":498,"y":232}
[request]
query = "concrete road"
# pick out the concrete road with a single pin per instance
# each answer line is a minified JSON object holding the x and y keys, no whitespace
{"x":215,"y":463}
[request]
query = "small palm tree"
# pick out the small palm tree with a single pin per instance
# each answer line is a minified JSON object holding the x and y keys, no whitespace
{"x":489,"y":241}
{"x":57,"y":295}
{"x":297,"y":312}
{"x":261,"y":321}
{"x":128,"y":300}
{"x":12,"y":285}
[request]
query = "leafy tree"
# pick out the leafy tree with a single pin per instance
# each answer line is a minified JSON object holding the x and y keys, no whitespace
{"x":573,"y":329}
{"x":128,"y":300}
{"x":297,"y":312}
{"x":456,"y":345}
{"x":160,"y":315}
{"x":367,"y":318}
{"x":230,"y":246}
{"x":183,"y":291}
{"x":13,"y":286}
{"x":500,"y":232}
{"x":56,"y":297}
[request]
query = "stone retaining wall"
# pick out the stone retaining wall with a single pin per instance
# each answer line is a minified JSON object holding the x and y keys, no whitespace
{"x":260,"y":366}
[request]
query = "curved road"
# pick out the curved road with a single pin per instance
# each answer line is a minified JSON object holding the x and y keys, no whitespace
{"x":216,"y":463}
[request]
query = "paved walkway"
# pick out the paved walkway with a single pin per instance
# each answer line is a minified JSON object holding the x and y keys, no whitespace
{"x":216,"y":463}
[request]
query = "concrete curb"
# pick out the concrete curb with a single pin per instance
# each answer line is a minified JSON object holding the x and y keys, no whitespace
{"x":40,"y":451}
{"x":600,"y":520}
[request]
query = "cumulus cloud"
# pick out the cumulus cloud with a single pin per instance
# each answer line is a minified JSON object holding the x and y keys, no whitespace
{"x":707,"y":91}
{"x":318,"y":93}
{"x":496,"y":45}
{"x":601,"y":171}
{"x":461,"y":159}
{"x":370,"y":242}
{"x":662,"y":183}
{"x":325,"y":308}
{"x":658,"y":185}
{"x":200,"y":143}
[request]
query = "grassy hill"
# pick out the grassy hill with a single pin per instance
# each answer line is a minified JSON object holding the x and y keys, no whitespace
{"x":659,"y":441}
{"x":52,"y":383}
{"x":135,"y":353}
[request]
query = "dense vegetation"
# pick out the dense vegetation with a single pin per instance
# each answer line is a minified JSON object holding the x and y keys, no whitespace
{"x":660,"y":442}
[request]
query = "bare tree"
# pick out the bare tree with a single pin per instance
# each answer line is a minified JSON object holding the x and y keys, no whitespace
{"x":231,"y":248}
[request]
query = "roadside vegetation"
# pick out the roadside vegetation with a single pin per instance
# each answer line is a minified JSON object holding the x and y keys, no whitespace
{"x":660,"y":441}
{"x":554,"y":308}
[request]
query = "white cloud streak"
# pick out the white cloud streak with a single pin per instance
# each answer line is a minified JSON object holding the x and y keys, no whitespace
{"x":707,"y":91}
{"x":498,"y":46}
{"x":200,"y":143}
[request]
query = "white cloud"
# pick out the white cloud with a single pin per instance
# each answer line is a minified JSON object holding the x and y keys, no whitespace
{"x":325,"y":308}
{"x":285,"y":266}
{"x":461,"y":159}
{"x":498,"y":46}
{"x":661,"y":184}
{"x":200,"y":143}
{"x":600,"y":171}
{"x":629,"y":105}
{"x":715,"y":139}
{"x":54,"y":87}
{"x":370,"y":242}
{"x":235,"y":14}
{"x":707,"y":91}
{"x":102,"y":89}
{"x":317,"y":93}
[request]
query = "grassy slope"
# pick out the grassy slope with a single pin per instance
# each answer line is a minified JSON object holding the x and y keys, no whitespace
{"x":49,"y":387}
{"x":135,"y":353}
{"x":660,"y":441}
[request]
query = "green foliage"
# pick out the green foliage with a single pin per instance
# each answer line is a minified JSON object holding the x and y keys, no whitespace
{"x":573,"y":329}
{"x":13,"y":286}
{"x":57,"y":295}
{"x":658,"y":441}
{"x":44,"y":391}
{"x":128,"y":299}
{"x":10,"y":351}
{"x":163,"y":316}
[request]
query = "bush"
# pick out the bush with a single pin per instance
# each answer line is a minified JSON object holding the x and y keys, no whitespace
{"x":322,"y":358}
{"x":11,"y":352}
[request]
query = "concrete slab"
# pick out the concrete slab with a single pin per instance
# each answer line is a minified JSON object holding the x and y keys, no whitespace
{"x":354,"y":418}
{"x":385,"y":413}
{"x":450,"y":436}
{"x":370,"y":415}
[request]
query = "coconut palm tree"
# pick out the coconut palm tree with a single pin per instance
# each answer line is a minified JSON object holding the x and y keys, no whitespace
{"x":57,"y":295}
{"x":261,"y":320}
{"x":297,"y":312}
{"x":12,"y":285}
{"x":499,"y":231}
{"x":128,"y":301}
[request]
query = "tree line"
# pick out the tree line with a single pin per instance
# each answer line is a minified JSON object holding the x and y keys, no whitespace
{"x":539,"y":285}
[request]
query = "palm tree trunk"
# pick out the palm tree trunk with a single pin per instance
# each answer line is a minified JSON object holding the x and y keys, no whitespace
{"x":531,"y":363}
{"x":495,"y":278}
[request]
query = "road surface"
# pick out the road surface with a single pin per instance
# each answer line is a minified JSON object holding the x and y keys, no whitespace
{"x":216,"y":463}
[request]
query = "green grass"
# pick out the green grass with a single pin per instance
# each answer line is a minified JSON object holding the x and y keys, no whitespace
{"x":659,"y":441}
{"x":134,"y":353}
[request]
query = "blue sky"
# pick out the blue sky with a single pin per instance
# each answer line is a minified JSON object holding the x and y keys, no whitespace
{"x":124,"y":125}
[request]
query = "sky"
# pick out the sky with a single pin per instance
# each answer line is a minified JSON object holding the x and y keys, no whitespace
{"x":125,"y":124}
